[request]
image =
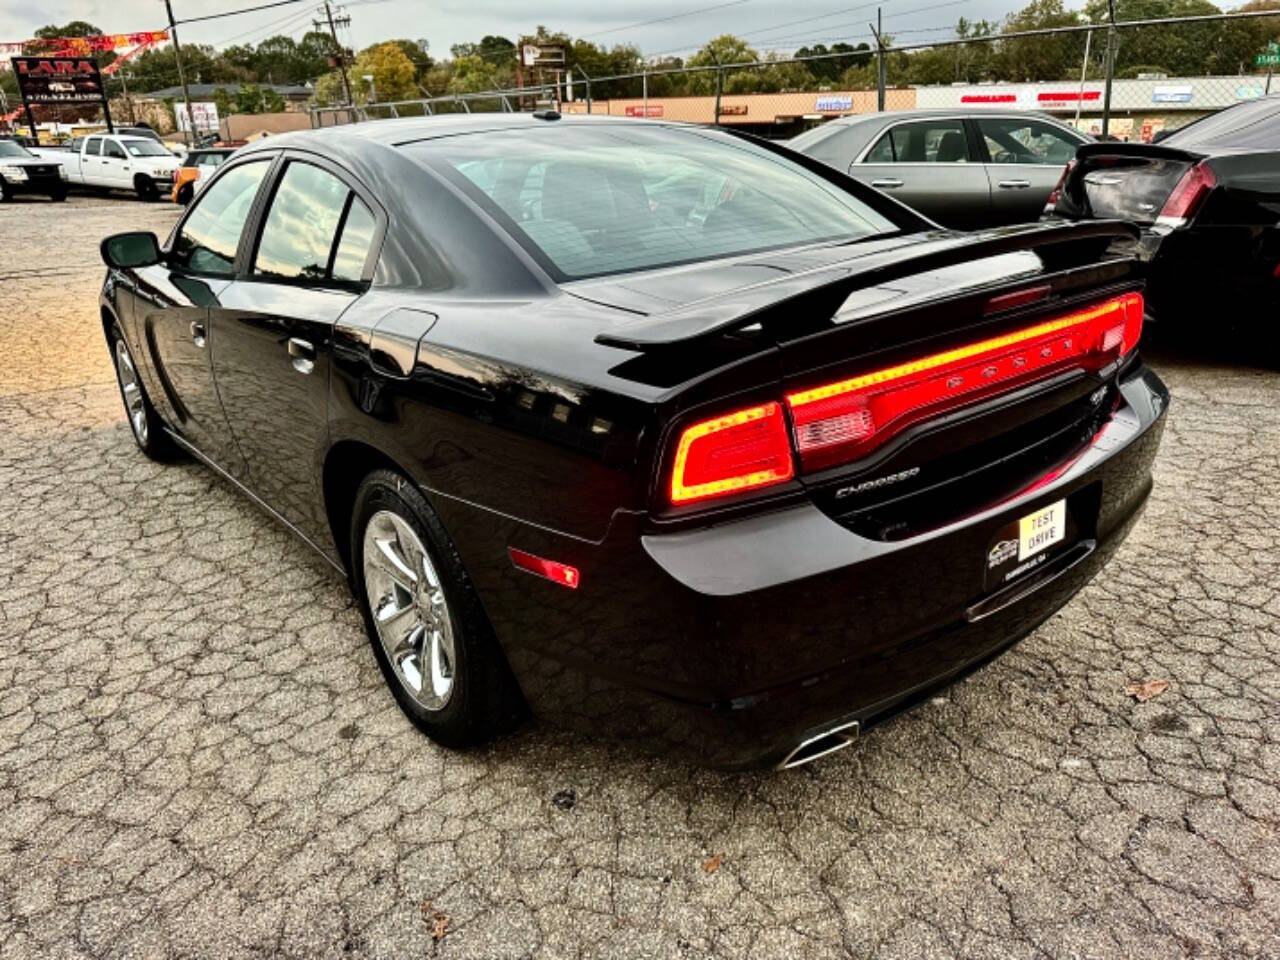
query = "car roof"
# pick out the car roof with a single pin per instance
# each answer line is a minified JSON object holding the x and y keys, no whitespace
{"x":923,"y":113}
{"x":409,"y":129}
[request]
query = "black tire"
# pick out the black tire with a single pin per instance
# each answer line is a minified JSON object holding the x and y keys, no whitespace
{"x":58,"y":196}
{"x":6,"y":192}
{"x":146,"y":188}
{"x":150,"y":436}
{"x":484,"y":699}
{"x":184,"y":194}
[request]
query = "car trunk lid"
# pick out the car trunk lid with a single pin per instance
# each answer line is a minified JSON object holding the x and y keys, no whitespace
{"x":948,"y":307}
{"x":1122,"y":181}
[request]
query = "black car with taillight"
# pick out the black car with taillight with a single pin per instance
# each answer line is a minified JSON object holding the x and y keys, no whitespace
{"x":1207,"y":198}
{"x":21,"y":171}
{"x":660,"y":431}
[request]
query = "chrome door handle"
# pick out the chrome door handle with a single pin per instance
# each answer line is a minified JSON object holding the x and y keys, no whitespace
{"x":1014,"y":184}
{"x":886,"y":182}
{"x":197,"y":333}
{"x":303,"y":354}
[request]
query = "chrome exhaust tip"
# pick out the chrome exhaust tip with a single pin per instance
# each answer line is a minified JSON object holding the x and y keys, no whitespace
{"x":828,"y":742}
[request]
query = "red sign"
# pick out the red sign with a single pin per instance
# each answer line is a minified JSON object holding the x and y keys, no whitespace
{"x":989,"y":98}
{"x":653,"y":111}
{"x":1068,"y":96}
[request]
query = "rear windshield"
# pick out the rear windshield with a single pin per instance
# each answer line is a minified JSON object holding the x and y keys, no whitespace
{"x":1249,"y":125}
{"x":610,"y":198}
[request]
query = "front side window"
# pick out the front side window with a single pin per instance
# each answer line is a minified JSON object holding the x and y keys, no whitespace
{"x":1012,"y":140}
{"x":302,"y":224}
{"x":208,"y":239}
{"x":113,"y":150}
{"x":610,"y":198}
{"x":146,"y":148}
{"x":922,"y":141}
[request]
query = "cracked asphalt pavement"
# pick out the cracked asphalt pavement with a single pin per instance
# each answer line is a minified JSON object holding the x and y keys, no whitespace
{"x":199,"y":758}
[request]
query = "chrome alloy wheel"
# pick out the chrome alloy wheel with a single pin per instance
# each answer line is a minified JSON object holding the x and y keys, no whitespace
{"x":409,"y":609}
{"x":132,"y":390}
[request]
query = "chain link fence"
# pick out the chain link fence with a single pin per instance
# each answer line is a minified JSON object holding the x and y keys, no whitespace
{"x":1130,"y":80}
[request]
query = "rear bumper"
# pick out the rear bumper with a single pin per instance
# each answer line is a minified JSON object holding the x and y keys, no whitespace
{"x":738,"y":641}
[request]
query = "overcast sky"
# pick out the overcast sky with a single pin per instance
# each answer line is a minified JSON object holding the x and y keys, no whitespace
{"x":767,"y":24}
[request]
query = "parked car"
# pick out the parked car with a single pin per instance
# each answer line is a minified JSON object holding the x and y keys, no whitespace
{"x":660,"y":430}
{"x":195,"y":171}
{"x":117,"y":162}
{"x":962,"y":170}
{"x":21,"y":171}
{"x":1208,"y":200}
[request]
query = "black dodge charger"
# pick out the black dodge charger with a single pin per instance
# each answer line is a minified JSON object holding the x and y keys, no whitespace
{"x":656,"y":430}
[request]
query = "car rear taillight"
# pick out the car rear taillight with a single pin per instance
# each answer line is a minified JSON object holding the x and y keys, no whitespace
{"x":1189,"y":193}
{"x":1056,"y":194}
{"x":743,"y":450}
{"x":842,"y":421}
{"x":838,"y":422}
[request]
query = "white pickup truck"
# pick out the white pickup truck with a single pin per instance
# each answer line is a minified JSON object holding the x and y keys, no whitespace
{"x":117,"y":162}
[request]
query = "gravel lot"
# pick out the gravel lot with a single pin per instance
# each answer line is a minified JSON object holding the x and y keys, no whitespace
{"x":198,"y":756}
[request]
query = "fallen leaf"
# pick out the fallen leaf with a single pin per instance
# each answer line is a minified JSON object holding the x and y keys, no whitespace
{"x":1146,"y":689}
{"x":439,"y":925}
{"x":712,"y":864}
{"x":427,"y":908}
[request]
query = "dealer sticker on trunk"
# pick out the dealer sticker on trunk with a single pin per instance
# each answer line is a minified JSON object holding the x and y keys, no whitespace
{"x":1042,"y":529}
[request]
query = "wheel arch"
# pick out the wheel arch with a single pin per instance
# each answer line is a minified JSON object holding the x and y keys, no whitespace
{"x":346,"y":464}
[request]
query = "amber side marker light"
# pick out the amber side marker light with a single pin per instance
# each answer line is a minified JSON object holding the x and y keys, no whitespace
{"x":560,"y":573}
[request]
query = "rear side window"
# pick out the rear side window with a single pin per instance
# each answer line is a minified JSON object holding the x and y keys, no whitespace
{"x":353,"y":246}
{"x":612,"y":198}
{"x":300,"y":234}
{"x":208,"y":239}
{"x":1014,"y":140}
{"x":922,"y":141}
{"x":94,"y":147}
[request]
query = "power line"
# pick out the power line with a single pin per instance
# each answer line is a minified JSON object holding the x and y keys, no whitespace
{"x":236,"y":13}
{"x":667,"y":19}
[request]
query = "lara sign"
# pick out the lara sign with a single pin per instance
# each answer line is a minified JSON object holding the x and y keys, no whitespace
{"x":53,"y":81}
{"x":1269,"y":59}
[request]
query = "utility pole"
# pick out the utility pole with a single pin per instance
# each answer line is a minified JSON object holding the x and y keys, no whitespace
{"x":881,"y":73}
{"x":337,"y":47}
{"x":182,"y":78}
{"x":129,"y":103}
{"x":1111,"y":66}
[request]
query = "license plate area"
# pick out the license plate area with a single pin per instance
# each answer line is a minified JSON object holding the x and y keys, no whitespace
{"x":1023,"y":545}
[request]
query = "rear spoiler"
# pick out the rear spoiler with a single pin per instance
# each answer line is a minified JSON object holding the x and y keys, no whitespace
{"x":1120,"y":148}
{"x":750,"y":304}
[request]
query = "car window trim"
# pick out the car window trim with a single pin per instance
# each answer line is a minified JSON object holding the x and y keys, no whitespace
{"x":167,"y":249}
{"x":980,"y":138}
{"x":355,"y":188}
{"x":960,"y":118}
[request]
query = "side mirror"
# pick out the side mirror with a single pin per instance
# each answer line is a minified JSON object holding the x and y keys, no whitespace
{"x":124,"y":251}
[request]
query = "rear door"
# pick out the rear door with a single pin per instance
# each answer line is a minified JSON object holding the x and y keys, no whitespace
{"x":91,"y":171}
{"x":312,"y":258}
{"x":930,"y":166}
{"x":1024,"y":158}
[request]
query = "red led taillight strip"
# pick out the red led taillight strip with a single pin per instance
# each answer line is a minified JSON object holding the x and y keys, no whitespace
{"x":842,"y":421}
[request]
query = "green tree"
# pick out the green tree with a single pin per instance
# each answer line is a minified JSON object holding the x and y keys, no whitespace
{"x":391,"y":69}
{"x":1051,"y":57}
